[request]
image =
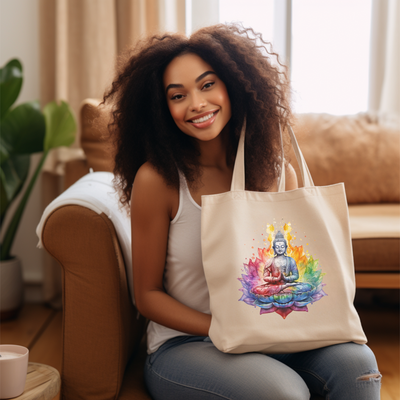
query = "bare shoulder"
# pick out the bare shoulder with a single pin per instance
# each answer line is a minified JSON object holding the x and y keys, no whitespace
{"x":148,"y":177}
{"x":150,"y":191}
{"x":291,"y":178}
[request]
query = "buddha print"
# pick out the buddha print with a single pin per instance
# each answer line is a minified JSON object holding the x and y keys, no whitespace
{"x":274,"y":283}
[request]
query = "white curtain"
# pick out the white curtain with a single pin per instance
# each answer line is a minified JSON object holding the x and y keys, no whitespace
{"x":79,"y":41}
{"x":384,"y":96}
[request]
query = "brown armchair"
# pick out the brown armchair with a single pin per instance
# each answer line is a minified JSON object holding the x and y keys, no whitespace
{"x":103,"y":336}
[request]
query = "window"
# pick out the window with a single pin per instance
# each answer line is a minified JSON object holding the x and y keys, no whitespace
{"x":330,"y":55}
{"x":256,"y":14}
{"x":328,"y":46}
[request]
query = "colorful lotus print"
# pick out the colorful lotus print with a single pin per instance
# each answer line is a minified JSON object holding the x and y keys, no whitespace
{"x":283,"y":278}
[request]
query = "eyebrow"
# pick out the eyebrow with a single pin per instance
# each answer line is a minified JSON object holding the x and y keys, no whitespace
{"x":204,"y":75}
{"x":199,"y":78}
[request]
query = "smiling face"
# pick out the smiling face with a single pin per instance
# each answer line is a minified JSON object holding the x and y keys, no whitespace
{"x":197,"y":99}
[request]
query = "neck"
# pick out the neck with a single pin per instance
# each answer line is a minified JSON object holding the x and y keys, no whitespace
{"x":213,"y":153}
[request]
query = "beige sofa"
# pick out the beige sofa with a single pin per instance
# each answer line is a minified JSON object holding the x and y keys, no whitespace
{"x":103,"y":345}
{"x":365,"y":156}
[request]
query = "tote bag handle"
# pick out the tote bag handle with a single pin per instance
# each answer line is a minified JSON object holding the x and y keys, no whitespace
{"x":238,"y":178}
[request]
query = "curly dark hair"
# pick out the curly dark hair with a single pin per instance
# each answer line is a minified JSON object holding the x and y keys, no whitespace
{"x":143,"y":127}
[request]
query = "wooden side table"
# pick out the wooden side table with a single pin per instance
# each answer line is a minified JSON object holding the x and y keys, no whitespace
{"x":42,"y":382}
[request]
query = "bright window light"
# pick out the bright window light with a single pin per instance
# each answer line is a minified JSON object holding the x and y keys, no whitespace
{"x":330,"y":55}
{"x":330,"y":49}
{"x":256,"y":14}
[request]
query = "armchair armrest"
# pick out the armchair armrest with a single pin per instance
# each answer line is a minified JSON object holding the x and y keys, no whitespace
{"x":101,"y":330}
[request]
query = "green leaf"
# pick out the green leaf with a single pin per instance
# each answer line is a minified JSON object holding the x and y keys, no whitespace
{"x":5,"y":149}
{"x":10,"y":85}
{"x":60,"y":125}
{"x":23,"y":130}
{"x":13,"y":174}
{"x":12,"y":228}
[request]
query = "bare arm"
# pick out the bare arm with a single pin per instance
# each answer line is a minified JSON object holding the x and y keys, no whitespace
{"x":151,"y":209}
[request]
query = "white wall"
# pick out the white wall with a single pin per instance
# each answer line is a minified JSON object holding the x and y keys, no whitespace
{"x":19,"y":38}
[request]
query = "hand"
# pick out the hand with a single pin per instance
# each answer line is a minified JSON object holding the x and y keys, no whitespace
{"x":276,"y":277}
{"x":288,"y":278}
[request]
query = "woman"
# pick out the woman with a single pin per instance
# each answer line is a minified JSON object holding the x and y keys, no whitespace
{"x":179,"y":105}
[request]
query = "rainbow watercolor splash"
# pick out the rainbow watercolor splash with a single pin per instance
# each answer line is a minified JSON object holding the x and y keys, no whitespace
{"x":308,"y":289}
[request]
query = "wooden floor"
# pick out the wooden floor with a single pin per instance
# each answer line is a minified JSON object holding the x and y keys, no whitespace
{"x":39,"y":329}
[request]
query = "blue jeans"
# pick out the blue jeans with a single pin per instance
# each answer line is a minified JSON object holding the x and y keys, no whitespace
{"x":192,"y":368}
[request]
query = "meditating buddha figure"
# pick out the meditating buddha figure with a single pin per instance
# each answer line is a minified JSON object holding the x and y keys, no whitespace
{"x":281,"y":268}
{"x":280,"y":272}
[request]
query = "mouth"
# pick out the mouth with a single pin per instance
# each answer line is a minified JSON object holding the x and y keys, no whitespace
{"x":204,"y":120}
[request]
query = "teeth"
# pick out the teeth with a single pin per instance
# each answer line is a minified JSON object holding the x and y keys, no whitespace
{"x":203,"y":119}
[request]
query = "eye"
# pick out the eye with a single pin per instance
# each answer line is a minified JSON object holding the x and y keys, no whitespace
{"x":177,"y":97}
{"x":208,"y":85}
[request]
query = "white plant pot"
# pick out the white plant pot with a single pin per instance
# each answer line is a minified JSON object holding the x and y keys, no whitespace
{"x":11,"y":288}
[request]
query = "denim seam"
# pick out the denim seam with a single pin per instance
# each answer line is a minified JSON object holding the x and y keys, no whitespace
{"x":190,"y":387}
{"x":316,"y":376}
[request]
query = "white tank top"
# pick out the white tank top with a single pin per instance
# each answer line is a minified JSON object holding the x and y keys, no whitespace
{"x":184,"y":278}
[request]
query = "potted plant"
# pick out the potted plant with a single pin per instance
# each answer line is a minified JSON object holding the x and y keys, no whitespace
{"x":25,"y":129}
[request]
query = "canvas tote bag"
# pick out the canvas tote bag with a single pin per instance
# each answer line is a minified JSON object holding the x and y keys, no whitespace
{"x":279,"y":265}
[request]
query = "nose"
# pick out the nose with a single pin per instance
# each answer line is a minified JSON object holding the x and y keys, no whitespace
{"x":198,"y":102}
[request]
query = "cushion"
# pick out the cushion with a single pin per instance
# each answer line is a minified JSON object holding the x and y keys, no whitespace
{"x":95,"y":139}
{"x":375,"y":230}
{"x":375,"y":221}
{"x":353,"y":149}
